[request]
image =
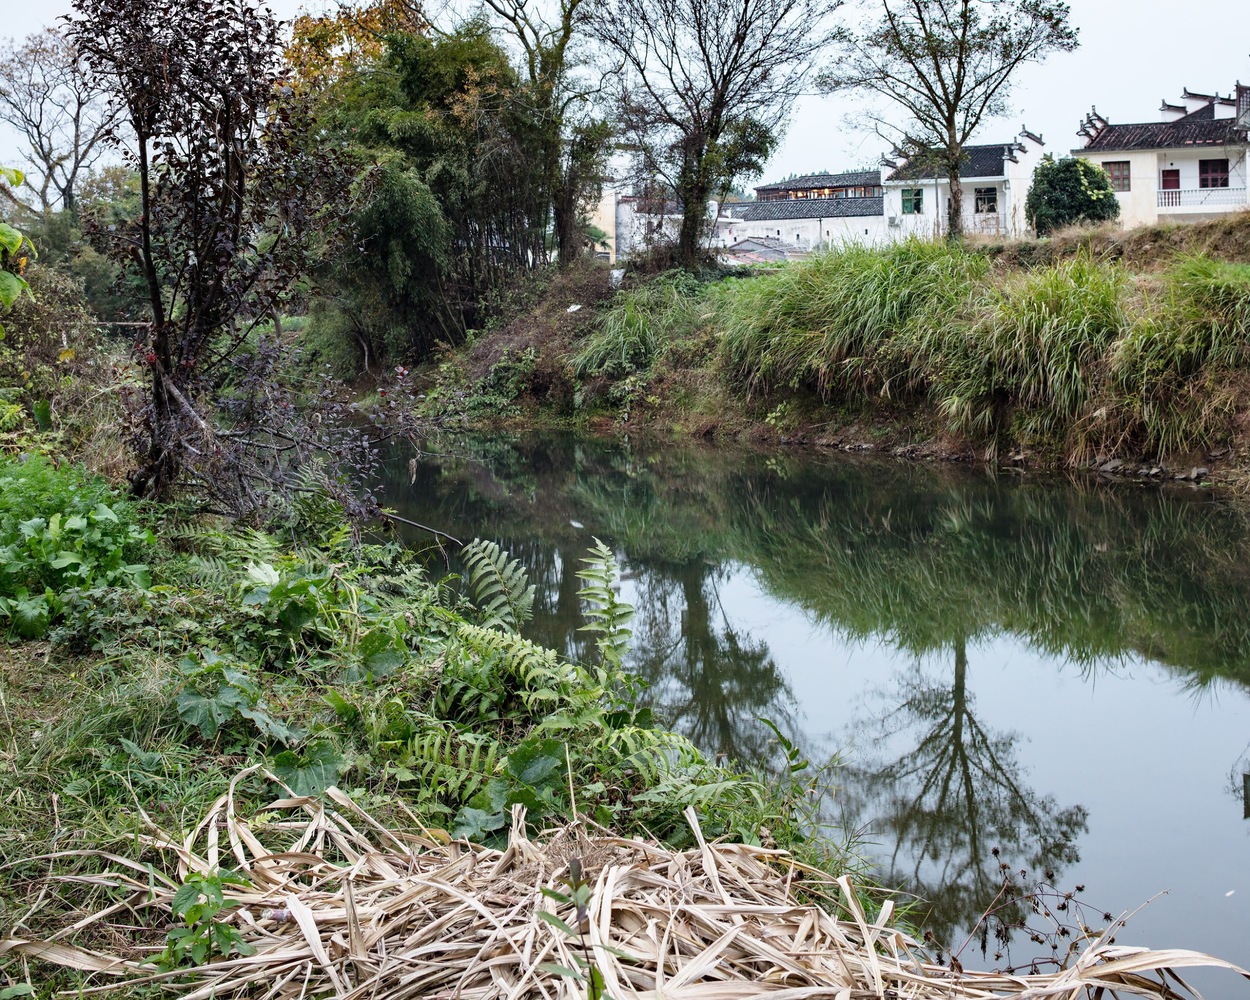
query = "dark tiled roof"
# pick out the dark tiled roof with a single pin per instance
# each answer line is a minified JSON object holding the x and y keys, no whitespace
{"x":1187,"y":131}
{"x":854,"y":178}
{"x":813,"y":208}
{"x":978,"y":161}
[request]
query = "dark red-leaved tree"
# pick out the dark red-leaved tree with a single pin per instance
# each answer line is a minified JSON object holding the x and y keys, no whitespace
{"x":236,"y":195}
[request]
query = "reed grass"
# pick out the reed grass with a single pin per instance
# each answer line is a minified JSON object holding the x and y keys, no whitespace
{"x":328,"y":901}
{"x":1078,"y":356}
{"x":842,"y":322}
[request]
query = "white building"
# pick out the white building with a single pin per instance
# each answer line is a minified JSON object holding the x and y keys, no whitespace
{"x":995,"y":181}
{"x":1188,"y":167}
{"x":813,"y":211}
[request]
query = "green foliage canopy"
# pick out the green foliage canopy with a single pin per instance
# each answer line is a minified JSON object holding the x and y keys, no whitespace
{"x":1067,"y":192}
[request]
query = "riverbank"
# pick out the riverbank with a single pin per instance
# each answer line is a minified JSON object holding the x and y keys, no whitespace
{"x":1121,"y":352}
{"x":153,"y":655}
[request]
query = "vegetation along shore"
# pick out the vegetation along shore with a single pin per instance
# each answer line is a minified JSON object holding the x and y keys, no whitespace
{"x":1124,"y":352}
{"x":255,"y":743}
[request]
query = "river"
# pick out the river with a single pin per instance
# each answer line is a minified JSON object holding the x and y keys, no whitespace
{"x":1055,"y":670}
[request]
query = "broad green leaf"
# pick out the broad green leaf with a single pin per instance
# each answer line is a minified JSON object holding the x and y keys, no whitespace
{"x":206,"y":714}
{"x":10,"y":238}
{"x":11,"y":286}
{"x":312,"y":772}
{"x":186,"y":897}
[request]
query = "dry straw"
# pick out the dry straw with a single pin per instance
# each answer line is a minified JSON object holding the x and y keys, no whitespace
{"x":341,"y":906}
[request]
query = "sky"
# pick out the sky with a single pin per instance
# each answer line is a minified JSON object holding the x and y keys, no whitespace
{"x":1133,"y":54}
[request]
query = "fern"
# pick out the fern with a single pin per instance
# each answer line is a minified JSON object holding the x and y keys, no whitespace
{"x":451,"y":766}
{"x":606,"y":615}
{"x":501,"y":587}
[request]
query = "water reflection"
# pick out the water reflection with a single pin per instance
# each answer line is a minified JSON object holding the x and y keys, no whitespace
{"x":949,"y":794}
{"x":928,"y":561}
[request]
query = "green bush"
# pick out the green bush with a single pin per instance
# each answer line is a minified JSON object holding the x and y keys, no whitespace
{"x":60,"y":529}
{"x":1067,"y":192}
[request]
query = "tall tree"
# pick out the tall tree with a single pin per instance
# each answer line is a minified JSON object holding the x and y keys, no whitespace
{"x":948,"y":64}
{"x":573,"y":141}
{"x":233,"y":189}
{"x":60,"y":114}
{"x":706,"y":86}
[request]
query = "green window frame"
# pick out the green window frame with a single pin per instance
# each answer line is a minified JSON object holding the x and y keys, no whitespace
{"x":913,"y":201}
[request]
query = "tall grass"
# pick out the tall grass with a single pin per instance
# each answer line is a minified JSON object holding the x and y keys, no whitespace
{"x":1077,"y":356}
{"x":638,"y":325}
{"x":844,"y":321}
{"x":1033,"y":354}
{"x":1172,"y":378}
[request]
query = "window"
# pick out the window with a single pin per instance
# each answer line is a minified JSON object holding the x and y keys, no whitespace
{"x":986,"y":201}
{"x":1118,"y":170}
{"x":1212,"y":173}
{"x":913,"y":201}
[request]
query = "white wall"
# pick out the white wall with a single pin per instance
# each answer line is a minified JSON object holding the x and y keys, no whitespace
{"x":807,"y":233}
{"x":1139,"y":206}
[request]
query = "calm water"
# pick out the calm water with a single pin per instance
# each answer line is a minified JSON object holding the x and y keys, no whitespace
{"x":1055,"y":670}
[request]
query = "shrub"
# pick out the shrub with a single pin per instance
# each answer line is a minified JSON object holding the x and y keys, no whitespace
{"x":1069,"y":191}
{"x":60,"y":529}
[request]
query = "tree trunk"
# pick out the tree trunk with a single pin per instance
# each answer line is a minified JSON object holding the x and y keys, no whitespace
{"x":955,"y":217}
{"x":693,"y":222}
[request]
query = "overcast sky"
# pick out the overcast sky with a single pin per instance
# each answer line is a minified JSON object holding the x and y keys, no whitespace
{"x":1133,"y":54}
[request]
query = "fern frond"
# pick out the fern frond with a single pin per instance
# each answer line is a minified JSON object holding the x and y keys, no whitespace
{"x":605,"y":613}
{"x":452,"y":765}
{"x":539,"y":675}
{"x":500,"y":584}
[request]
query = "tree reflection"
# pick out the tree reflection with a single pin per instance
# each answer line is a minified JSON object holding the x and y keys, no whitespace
{"x":954,"y":795}
{"x":708,"y":679}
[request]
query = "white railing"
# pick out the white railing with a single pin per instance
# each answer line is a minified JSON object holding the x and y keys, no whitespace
{"x":1202,"y":197}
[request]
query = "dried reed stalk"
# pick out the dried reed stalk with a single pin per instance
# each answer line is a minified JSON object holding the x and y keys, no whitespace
{"x":339,"y":905}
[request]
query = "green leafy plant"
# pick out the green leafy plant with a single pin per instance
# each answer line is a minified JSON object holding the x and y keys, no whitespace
{"x":578,"y":897}
{"x":12,"y":259}
{"x":61,"y":530}
{"x":198,"y":903}
{"x":216,"y":692}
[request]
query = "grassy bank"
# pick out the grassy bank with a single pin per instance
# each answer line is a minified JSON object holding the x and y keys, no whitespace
{"x":151,"y":656}
{"x":1085,"y":348}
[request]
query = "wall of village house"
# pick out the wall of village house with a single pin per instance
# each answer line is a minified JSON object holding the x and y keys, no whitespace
{"x":808,"y":233}
{"x":931,"y":221}
{"x":1139,"y":205}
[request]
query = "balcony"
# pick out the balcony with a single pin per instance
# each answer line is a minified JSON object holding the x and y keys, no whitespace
{"x":1203,"y":198}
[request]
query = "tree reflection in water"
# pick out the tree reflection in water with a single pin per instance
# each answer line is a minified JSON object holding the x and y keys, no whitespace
{"x":955,"y":803}
{"x":706,"y":678}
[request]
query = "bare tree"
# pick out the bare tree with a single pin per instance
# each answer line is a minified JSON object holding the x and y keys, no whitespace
{"x":948,"y":64}
{"x":62,"y":117}
{"x":707,"y":85}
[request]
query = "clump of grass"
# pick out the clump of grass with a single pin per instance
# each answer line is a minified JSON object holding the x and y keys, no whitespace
{"x":1034,"y":352}
{"x":843,"y":322}
{"x":1173,"y":374}
{"x":636,"y":327}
